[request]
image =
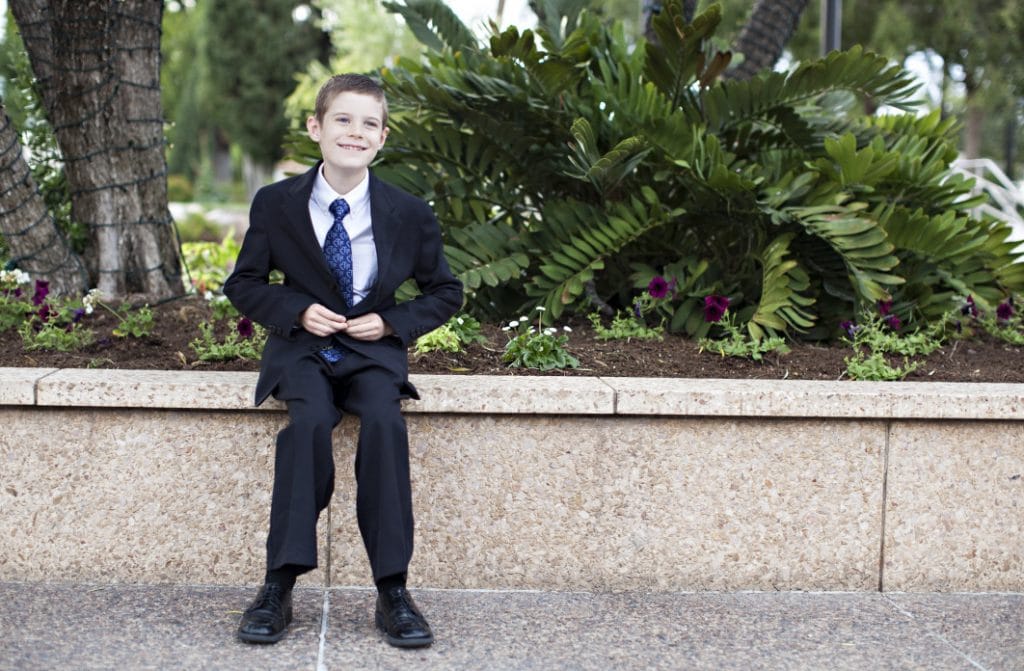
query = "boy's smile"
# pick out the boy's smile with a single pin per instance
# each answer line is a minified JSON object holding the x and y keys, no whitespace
{"x":350,"y":134}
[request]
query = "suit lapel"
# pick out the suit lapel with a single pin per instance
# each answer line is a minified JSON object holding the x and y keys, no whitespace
{"x":382,"y":220}
{"x":300,"y":226}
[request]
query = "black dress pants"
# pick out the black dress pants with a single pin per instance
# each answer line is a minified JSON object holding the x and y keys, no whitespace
{"x":316,"y":394}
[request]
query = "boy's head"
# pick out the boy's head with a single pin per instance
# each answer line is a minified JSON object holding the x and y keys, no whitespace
{"x":349,"y":83}
{"x":350,"y":125}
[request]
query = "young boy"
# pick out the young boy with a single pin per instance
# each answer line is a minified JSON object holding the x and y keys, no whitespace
{"x":337,"y":343}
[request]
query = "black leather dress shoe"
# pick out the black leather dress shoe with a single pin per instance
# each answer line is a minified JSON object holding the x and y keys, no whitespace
{"x":267,"y":617}
{"x":400,"y":620}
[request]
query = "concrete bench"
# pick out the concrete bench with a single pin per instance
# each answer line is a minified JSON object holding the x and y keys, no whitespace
{"x":533,"y":482}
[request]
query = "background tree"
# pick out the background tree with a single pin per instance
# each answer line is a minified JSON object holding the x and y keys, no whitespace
{"x":254,"y":49}
{"x":34,"y":243}
{"x":975,"y":51}
{"x":364,"y":35}
{"x":97,"y":67}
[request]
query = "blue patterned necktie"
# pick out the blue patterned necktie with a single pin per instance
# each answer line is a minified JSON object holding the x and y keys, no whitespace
{"x":338,"y":251}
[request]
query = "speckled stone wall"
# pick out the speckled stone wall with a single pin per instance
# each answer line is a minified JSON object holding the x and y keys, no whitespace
{"x":643,"y":503}
{"x":502,"y":501}
{"x":546,"y":483}
{"x":955,"y":507}
{"x":136,"y":496}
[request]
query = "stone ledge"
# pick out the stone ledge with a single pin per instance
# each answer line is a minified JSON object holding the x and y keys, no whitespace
{"x":18,"y":385}
{"x":77,"y":387}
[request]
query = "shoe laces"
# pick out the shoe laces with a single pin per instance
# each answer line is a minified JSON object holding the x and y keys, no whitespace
{"x":272,"y":597}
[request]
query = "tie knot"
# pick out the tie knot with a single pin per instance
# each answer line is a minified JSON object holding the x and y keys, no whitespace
{"x":339,"y":208}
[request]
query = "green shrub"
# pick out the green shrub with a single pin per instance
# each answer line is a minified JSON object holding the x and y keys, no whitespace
{"x":179,"y":189}
{"x":557,"y":158}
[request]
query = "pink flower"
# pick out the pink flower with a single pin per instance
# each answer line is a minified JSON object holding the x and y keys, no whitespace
{"x":42,"y":291}
{"x":715,"y":307}
{"x":658,"y":287}
{"x":244,"y":327}
{"x":894,"y":322}
{"x":884,"y":307}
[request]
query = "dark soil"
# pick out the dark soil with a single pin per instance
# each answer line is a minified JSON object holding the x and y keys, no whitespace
{"x":979,"y":360}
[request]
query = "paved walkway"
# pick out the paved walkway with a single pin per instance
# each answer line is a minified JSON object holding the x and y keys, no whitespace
{"x":48,"y":626}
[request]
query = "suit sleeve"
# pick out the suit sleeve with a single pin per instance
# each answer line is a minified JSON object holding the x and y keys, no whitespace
{"x":274,"y":306}
{"x":441,"y":293}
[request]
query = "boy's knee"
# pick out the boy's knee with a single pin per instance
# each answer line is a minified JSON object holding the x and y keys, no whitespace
{"x":313,"y":415}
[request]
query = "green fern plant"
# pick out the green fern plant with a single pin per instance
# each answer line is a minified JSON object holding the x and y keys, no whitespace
{"x":559,"y":159}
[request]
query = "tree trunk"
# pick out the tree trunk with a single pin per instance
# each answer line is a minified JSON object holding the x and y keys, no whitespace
{"x":35,"y":243}
{"x":98,"y":67}
{"x":973,"y":127}
{"x":763,"y":38}
{"x":974,"y":122}
{"x":1010,"y":142}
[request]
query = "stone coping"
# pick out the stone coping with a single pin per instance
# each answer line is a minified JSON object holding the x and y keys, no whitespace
{"x":543,"y":395}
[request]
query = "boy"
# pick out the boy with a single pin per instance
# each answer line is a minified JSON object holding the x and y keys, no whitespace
{"x":337,"y":342}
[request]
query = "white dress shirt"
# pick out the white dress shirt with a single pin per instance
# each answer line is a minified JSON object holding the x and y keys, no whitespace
{"x":357,"y":224}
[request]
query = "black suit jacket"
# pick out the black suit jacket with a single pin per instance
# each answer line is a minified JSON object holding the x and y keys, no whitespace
{"x":280,"y":236}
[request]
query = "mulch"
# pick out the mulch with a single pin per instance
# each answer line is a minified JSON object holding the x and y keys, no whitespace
{"x":983,"y":359}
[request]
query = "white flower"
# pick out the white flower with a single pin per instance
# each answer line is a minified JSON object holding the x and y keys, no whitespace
{"x":459,"y":320}
{"x":540,"y":308}
{"x":567,"y":329}
{"x":15,"y":277}
{"x":505,"y":328}
{"x":513,"y":324}
{"x":550,"y":331}
{"x":208,"y":295}
{"x":90,"y":300}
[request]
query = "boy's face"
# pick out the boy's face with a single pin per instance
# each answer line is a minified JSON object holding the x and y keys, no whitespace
{"x":351,"y":132}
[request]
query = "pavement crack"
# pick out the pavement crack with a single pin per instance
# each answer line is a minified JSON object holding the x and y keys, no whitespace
{"x":324,"y":615}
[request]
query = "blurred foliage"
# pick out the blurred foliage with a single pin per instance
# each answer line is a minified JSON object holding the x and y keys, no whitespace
{"x":197,"y":228}
{"x":210,"y":263}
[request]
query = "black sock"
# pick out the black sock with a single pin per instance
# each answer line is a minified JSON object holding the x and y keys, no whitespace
{"x":284,"y":576}
{"x":389,"y":581}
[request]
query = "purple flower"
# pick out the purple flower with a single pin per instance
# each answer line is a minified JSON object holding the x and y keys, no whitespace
{"x":42,"y":291}
{"x":44,"y":312}
{"x":715,"y":307}
{"x":637,"y":308}
{"x":850,"y":328}
{"x":77,"y":315}
{"x":244,"y":327}
{"x":969,"y":307}
{"x":658,"y":287}
{"x":884,"y":307}
{"x":1004,"y":311}
{"x":894,"y":322}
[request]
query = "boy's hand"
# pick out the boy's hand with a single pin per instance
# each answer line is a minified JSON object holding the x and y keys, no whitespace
{"x":320,"y":321}
{"x":368,"y":327}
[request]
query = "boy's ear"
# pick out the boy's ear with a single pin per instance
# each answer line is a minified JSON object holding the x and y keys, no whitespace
{"x":384,"y":135}
{"x":313,"y":128}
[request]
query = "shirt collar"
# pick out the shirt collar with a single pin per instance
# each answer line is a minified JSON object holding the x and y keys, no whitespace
{"x":323,"y":194}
